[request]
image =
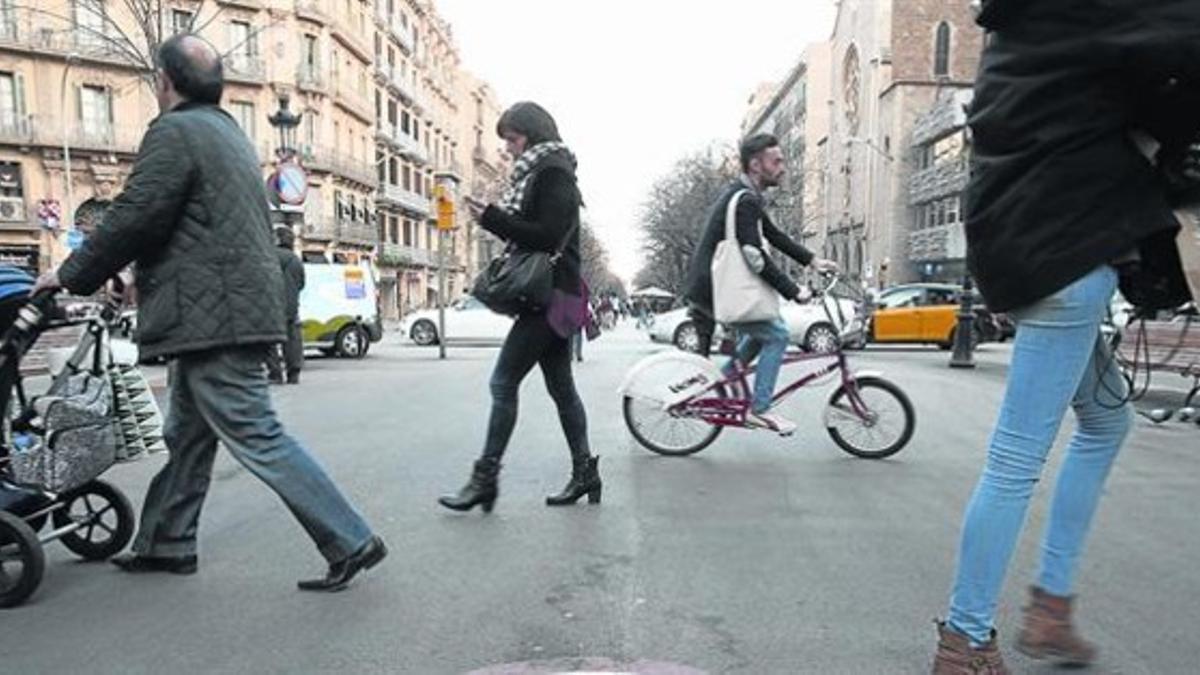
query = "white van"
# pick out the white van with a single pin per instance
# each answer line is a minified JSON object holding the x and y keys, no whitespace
{"x":339,"y":309}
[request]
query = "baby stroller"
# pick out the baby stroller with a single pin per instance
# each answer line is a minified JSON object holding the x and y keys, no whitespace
{"x":53,"y":447}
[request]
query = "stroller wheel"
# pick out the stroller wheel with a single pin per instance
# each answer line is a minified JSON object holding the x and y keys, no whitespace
{"x":104,"y":518}
{"x":22,"y":560}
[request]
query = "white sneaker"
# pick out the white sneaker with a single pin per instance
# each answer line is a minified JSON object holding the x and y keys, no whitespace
{"x":776,"y":423}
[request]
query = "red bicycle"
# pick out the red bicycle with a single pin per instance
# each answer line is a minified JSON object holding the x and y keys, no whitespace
{"x":676,"y":403}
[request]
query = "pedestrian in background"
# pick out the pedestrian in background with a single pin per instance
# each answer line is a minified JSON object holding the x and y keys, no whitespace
{"x":539,"y":211}
{"x":194,"y":216}
{"x":289,"y":357}
{"x":1061,"y":208}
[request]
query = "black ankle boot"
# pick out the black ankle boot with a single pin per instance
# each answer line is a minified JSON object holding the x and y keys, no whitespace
{"x":480,"y":489}
{"x":585,"y":480}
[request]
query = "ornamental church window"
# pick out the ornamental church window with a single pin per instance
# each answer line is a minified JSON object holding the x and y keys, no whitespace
{"x":941,"y":51}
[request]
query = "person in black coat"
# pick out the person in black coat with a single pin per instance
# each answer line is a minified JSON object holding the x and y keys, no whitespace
{"x":539,"y":211}
{"x":290,"y":357}
{"x":1085,"y":124}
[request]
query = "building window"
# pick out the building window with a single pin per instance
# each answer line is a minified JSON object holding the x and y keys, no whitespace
{"x":95,"y":112}
{"x":310,"y":128}
{"x":941,"y":51}
{"x":242,"y":40}
{"x":243,"y":112}
{"x":12,"y":103}
{"x":181,"y":21}
{"x":311,"y":51}
{"x":90,"y":23}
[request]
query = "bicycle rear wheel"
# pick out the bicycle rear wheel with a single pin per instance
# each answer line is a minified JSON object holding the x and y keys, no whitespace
{"x":653,"y":393}
{"x":663,"y":432}
{"x":874,"y":421}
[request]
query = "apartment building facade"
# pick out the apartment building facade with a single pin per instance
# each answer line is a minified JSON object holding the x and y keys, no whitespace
{"x":375,"y":83}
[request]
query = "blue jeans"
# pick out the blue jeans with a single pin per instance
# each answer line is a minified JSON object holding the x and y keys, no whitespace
{"x":222,"y":395}
{"x":1058,"y":361}
{"x":770,"y":339}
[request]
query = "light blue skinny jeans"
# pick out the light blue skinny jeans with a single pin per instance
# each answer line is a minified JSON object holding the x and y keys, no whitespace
{"x":1058,"y":361}
{"x":765,"y":339}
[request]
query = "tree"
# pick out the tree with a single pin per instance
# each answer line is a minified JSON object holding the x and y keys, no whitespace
{"x":127,"y":30}
{"x":675,"y":213}
{"x":595,"y":264}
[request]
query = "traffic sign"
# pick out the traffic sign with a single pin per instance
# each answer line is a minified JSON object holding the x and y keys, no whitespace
{"x":290,"y":182}
{"x":74,"y":239}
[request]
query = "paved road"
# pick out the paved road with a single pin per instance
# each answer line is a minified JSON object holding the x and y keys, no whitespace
{"x":759,"y":555}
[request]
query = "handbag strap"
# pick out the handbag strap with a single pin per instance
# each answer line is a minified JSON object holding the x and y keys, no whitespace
{"x":562,"y":246}
{"x":731,"y":216}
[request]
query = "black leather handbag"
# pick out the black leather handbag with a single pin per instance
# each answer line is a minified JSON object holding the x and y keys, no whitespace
{"x":519,"y":281}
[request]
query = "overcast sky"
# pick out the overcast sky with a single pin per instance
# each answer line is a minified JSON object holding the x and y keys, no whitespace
{"x":633,"y":84}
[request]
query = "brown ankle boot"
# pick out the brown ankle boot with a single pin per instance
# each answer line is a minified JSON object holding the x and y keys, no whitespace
{"x":1048,"y":633}
{"x":956,"y":656}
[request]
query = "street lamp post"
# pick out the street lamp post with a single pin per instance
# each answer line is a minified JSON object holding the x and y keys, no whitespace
{"x":964,"y":333}
{"x":69,"y":193}
{"x":286,"y":122}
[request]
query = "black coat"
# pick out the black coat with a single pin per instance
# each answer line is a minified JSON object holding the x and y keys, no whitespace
{"x":750,"y":215}
{"x":293,"y":282}
{"x":194,"y":216}
{"x":549,"y":213}
{"x":1057,"y":187}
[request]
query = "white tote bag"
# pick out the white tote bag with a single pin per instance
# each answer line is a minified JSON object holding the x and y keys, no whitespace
{"x":739,"y":294}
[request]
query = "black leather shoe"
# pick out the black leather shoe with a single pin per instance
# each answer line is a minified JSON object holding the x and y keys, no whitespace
{"x":340,"y":573}
{"x":138,"y":564}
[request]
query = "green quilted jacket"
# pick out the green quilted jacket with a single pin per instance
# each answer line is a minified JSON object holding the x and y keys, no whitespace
{"x":194,"y":217}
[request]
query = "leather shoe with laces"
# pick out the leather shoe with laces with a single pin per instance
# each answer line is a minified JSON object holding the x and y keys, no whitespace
{"x":137,"y":564}
{"x":340,"y":573}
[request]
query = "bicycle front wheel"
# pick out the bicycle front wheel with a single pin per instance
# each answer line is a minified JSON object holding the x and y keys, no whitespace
{"x":872,"y":418}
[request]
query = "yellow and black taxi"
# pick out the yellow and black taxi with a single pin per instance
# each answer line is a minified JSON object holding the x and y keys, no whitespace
{"x":926,"y":313}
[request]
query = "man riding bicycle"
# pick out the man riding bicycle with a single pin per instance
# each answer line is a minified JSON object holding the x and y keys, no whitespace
{"x":762,"y":168}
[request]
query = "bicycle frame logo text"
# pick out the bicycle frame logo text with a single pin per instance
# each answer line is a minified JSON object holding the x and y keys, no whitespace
{"x":688,"y":383}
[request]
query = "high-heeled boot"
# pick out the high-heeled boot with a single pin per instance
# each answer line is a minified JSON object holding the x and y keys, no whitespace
{"x":481,"y":489}
{"x":585,"y":480}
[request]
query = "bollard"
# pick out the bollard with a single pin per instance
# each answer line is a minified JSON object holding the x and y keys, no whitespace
{"x":963,"y":356}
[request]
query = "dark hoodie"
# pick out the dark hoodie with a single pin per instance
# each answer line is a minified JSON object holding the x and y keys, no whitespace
{"x":551,"y":206}
{"x":1057,"y":188}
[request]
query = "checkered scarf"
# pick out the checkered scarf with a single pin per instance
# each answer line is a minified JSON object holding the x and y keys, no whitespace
{"x":518,"y":185}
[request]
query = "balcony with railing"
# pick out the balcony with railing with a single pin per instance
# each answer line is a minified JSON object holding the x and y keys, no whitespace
{"x":16,"y":130}
{"x":26,"y":29}
{"x":312,"y":10}
{"x":938,"y":181}
{"x":356,"y":232}
{"x":399,"y":255}
{"x":410,"y":148}
{"x":402,"y":35}
{"x":319,"y":230}
{"x":244,"y":68}
{"x":358,"y":170}
{"x":394,"y":195}
{"x":353,"y":102}
{"x":310,"y":78}
{"x":343,"y":31}
{"x":941,"y":242}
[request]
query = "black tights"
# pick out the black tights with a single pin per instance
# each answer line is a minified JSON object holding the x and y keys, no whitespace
{"x":531,"y":342}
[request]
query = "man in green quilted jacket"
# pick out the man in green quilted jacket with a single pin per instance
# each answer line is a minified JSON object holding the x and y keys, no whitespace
{"x":194,"y":217}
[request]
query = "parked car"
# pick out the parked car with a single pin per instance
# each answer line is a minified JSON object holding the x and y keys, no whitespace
{"x":808,"y":324}
{"x":467,"y":320}
{"x":926,"y":313}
